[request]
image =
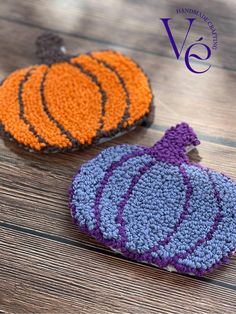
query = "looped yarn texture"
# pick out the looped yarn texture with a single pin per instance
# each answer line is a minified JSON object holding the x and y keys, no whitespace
{"x":154,"y":206}
{"x":69,"y":102}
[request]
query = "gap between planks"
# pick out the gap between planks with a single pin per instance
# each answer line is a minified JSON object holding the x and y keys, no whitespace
{"x":105,"y":251}
{"x":101,"y":41}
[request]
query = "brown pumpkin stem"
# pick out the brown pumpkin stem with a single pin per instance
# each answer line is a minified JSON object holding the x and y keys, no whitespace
{"x":49,"y":48}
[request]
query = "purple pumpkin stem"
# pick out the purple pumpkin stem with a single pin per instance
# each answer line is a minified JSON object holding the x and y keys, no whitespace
{"x":172,"y":147}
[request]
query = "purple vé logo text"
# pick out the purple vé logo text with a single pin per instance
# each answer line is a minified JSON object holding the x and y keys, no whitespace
{"x":189,"y":52}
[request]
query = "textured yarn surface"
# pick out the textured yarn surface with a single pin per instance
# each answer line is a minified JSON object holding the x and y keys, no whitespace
{"x":152,"y":205}
{"x":69,"y":102}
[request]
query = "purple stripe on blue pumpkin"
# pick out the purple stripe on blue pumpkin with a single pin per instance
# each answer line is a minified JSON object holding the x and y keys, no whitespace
{"x":125,"y":198}
{"x":183,"y":214}
{"x":155,"y":208}
{"x":103,"y":183}
{"x":86,"y":183}
{"x":203,"y":208}
{"x":223,"y":240}
{"x":113,"y":191}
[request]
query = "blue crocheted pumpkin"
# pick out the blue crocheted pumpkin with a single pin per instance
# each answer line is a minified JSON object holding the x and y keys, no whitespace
{"x":153,"y":205}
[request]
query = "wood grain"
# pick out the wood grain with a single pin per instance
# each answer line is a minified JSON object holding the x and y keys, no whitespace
{"x":46,"y":264}
{"x":140,"y":19}
{"x":77,"y":280}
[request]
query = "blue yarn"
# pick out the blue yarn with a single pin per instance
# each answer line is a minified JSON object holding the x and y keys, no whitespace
{"x":159,"y":191}
{"x":202,"y":210}
{"x":116,"y":187}
{"x":86,"y":183}
{"x":224,"y":239}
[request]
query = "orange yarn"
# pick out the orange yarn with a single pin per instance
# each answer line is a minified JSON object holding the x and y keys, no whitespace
{"x":10,"y":111}
{"x":136,"y":82}
{"x":74,"y":101}
{"x":69,"y":102}
{"x":116,"y":98}
{"x":34,"y":111}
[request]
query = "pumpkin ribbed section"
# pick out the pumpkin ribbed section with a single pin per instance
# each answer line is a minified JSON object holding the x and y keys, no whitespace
{"x":116,"y":104}
{"x":135,"y":82}
{"x":74,"y":100}
{"x":36,"y":112}
{"x":12,"y":111}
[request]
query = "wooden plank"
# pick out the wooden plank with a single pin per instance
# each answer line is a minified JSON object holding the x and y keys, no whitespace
{"x":138,"y":23}
{"x":47,"y":265}
{"x":43,"y":276}
{"x":40,"y":200}
{"x":205,"y":101}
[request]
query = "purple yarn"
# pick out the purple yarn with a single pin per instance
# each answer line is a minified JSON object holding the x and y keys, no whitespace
{"x":209,"y":234}
{"x":171,"y":148}
{"x":119,"y":218}
{"x":170,"y":170}
{"x":183,"y":214}
{"x":108,"y":174}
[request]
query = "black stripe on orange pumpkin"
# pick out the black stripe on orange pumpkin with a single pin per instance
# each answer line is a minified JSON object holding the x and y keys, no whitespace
{"x":69,"y":102}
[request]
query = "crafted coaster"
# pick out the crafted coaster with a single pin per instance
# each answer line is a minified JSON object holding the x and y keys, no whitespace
{"x":69,"y":102}
{"x":153,"y":205}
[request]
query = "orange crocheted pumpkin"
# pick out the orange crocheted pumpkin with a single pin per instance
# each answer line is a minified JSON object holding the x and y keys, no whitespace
{"x":68,"y":102}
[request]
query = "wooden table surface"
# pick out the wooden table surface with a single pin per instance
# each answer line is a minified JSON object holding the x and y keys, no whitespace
{"x":46,"y":264}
